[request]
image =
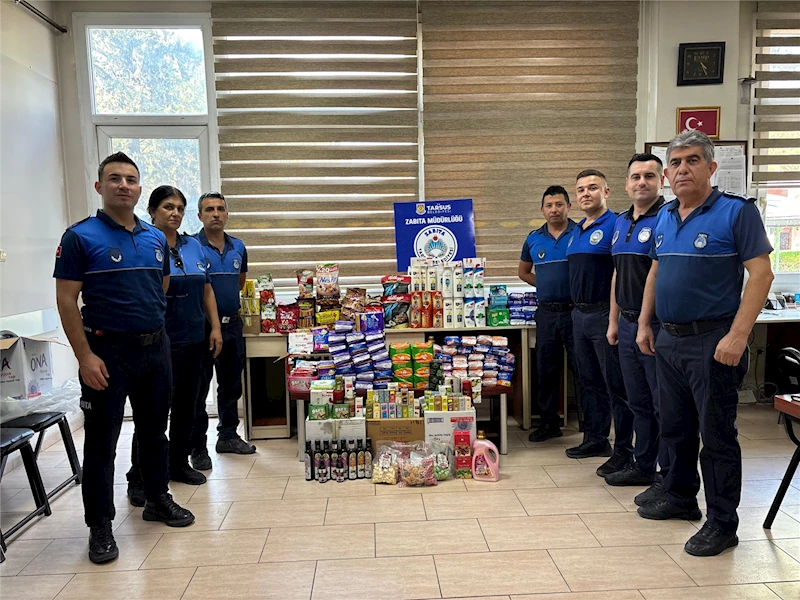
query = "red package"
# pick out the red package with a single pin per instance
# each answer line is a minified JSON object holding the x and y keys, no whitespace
{"x":269,"y":326}
{"x":288,"y":316}
{"x":427,"y":316}
{"x":416,"y":318}
{"x":267,"y":296}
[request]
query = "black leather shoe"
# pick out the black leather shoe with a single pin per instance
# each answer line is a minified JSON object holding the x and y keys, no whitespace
{"x":710,"y":541}
{"x":186,"y":474}
{"x":663,"y":509}
{"x":102,"y":547}
{"x":616,"y":463}
{"x":201,"y":461}
{"x":136,"y":493}
{"x":590,"y":449}
{"x":167,"y":511}
{"x":235,"y":446}
{"x":545,"y":432}
{"x":630,"y":476}
{"x":653,"y":493}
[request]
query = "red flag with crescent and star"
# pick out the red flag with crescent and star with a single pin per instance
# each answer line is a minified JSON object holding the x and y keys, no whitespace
{"x":705,"y":120}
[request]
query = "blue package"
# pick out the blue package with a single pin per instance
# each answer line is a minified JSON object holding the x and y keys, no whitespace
{"x":337,"y":349}
{"x":382,"y":355}
{"x":378,"y":386}
{"x":367,"y":366}
{"x":507,"y":368}
{"x":444,"y":358}
{"x":352,"y":338}
{"x":361,"y":359}
{"x":343,"y":326}
{"x":358,"y":348}
{"x":374,"y":337}
{"x":384,"y":374}
{"x":508,"y":359}
{"x":343,"y":357}
{"x":452,"y":340}
{"x":376,"y":347}
{"x":365,"y":376}
{"x":336,"y":338}
{"x":504,"y":376}
{"x":383,"y":364}
{"x":465,"y":349}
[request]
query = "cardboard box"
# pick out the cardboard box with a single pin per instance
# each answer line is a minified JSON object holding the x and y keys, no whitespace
{"x":440,"y":425}
{"x":396,"y":430}
{"x":251,"y":324}
{"x":26,"y":366}
{"x":336,"y":429}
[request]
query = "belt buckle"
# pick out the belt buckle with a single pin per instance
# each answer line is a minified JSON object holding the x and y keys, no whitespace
{"x":226,"y":320}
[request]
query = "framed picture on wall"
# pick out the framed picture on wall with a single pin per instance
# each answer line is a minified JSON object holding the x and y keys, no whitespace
{"x":701,"y":63}
{"x":699,"y":118}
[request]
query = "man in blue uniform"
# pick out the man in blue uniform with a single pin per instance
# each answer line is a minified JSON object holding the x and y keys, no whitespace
{"x":117,"y":263}
{"x":591,"y":269}
{"x":543,"y":264}
{"x":704,"y":242}
{"x":226,"y":258}
{"x":630,"y":248}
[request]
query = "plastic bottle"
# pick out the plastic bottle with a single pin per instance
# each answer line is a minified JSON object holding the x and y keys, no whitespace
{"x":485,"y":459}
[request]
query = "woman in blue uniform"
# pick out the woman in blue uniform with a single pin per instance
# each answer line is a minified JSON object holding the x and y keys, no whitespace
{"x":190,"y":301}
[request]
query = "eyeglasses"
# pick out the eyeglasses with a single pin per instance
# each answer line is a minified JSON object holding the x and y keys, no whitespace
{"x":176,"y":258}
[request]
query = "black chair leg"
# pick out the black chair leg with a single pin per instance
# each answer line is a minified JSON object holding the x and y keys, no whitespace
{"x":787,"y":477}
{"x":72,"y":454}
{"x":35,"y":479}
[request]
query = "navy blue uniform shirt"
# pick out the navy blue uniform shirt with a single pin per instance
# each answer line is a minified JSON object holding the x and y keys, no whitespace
{"x":549,"y":258}
{"x":186,"y":317}
{"x":630,"y":247}
{"x":122,"y":273}
{"x":700,"y":272}
{"x":591,"y":267}
{"x":224,"y":268}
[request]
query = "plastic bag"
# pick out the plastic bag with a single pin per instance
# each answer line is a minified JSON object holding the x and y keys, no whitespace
{"x":65,"y":398}
{"x":442,"y":460}
{"x":417,"y":469}
{"x":384,"y":467}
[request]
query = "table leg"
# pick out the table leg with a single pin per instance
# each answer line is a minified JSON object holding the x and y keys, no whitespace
{"x":503,"y":424}
{"x":301,"y":429}
{"x":787,"y":477}
{"x":526,"y":378}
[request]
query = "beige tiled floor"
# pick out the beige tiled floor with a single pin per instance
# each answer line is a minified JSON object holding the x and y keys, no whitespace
{"x":549,"y":530}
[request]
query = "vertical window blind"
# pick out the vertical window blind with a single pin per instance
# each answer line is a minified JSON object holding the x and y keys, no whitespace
{"x":318,"y":130}
{"x":522,"y":95}
{"x":776,"y":108}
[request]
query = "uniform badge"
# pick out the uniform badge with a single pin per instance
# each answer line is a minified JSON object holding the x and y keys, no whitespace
{"x":201,"y":266}
{"x":615,"y":238}
{"x":159,"y":255}
{"x":541,"y":253}
{"x":236,"y":264}
{"x":115,"y":254}
{"x":659,"y":239}
{"x":58,"y":252}
{"x":701,"y":241}
{"x":595,"y":238}
{"x":644,"y":234}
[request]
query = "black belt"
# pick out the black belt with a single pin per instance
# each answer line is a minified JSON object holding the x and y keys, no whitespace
{"x":592,"y":308}
{"x":695,"y":327}
{"x":127,"y":339}
{"x":630,"y":315}
{"x":556,"y":306}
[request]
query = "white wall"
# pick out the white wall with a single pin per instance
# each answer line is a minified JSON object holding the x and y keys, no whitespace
{"x":32,"y":196}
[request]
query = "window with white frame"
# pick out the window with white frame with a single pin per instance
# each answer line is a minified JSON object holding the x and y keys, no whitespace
{"x":776,"y":129}
{"x":146,"y":88}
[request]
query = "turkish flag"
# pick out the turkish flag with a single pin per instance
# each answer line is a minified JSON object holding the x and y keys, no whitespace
{"x":705,"y":120}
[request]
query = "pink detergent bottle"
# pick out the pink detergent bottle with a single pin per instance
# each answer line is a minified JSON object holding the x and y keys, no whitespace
{"x":485,"y":459}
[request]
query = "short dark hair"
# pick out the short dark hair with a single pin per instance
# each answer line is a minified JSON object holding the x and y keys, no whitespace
{"x":555,"y":190}
{"x":161,"y":193}
{"x":646,"y":157}
{"x":217,"y":195}
{"x":117,"y":157}
{"x":590,"y":173}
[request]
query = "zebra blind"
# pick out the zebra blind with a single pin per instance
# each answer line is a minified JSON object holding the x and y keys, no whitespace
{"x":318,"y":121}
{"x":776,"y":108}
{"x":522,"y":95}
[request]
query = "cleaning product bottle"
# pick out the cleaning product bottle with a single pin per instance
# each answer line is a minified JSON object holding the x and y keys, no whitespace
{"x":485,"y":459}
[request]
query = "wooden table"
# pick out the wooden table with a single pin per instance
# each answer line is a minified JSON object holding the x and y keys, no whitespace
{"x":789,"y":406}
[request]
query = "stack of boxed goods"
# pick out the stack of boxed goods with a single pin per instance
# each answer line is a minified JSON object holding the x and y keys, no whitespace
{"x":498,"y":313}
{"x":392,"y":404}
{"x":359,"y":349}
{"x":427,"y":310}
{"x":522,"y":308}
{"x":411,"y":363}
{"x":474,"y":293}
{"x":462,"y":443}
{"x":485,"y":357}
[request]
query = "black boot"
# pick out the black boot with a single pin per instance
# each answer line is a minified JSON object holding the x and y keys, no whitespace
{"x":629,"y":476}
{"x":201,"y":460}
{"x":136,"y":493}
{"x":710,"y":541}
{"x":545,"y":432}
{"x":616,"y":463}
{"x":663,"y":509}
{"x":102,"y":547}
{"x":590,"y":449}
{"x":166,"y":510}
{"x":186,"y":474}
{"x":234,"y":446}
{"x":653,"y":493}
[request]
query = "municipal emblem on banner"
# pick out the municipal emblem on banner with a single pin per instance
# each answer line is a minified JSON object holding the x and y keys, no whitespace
{"x":236,"y":264}
{"x":645,"y":234}
{"x":595,"y":238}
{"x":615,"y":238}
{"x":659,"y":240}
{"x":437,"y":243}
{"x":701,"y":241}
{"x":541,"y":253}
{"x":420,"y":208}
